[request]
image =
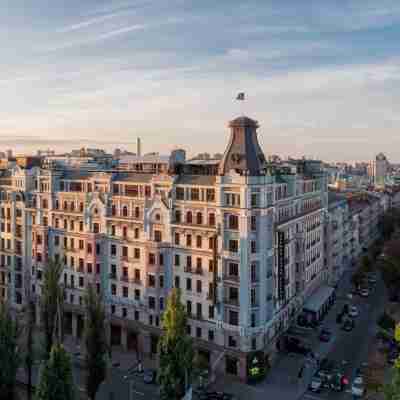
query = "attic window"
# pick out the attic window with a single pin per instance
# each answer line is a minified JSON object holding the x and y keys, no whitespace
{"x":158,"y":217}
{"x":96,"y":211}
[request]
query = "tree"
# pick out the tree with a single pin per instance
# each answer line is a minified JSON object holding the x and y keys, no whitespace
{"x":51,"y":303}
{"x":366,"y":264}
{"x":96,"y":341}
{"x":56,"y":381}
{"x":29,"y":356}
{"x":9,"y":352}
{"x":175,"y":350}
{"x":390,"y":267}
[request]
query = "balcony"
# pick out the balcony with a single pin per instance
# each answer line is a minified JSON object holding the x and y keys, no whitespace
{"x":232,"y":278}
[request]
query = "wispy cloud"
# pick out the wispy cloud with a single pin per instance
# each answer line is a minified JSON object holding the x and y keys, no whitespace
{"x":89,"y":22}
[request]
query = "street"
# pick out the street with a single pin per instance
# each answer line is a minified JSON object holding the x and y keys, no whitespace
{"x":352,"y":347}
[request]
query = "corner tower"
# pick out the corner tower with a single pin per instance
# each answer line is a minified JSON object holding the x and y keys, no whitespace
{"x":243,"y":153}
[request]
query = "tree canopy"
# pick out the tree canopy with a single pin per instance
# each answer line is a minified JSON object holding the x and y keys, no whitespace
{"x":176,"y":350}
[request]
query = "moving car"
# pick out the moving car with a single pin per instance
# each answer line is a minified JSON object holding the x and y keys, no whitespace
{"x":316,"y":384}
{"x":325,"y":335}
{"x":364,"y":292}
{"x":353,"y":311}
{"x":358,"y":388}
{"x":149,"y":376}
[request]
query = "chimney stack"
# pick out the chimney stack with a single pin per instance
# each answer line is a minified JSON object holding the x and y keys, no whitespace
{"x":138,"y":147}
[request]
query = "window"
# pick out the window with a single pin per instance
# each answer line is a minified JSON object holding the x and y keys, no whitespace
{"x":137,"y":212}
{"x":56,"y":240}
{"x":137,"y":275}
{"x":177,"y":260}
{"x":124,"y":251}
{"x":188,"y":240}
{"x":198,"y":332}
{"x":211,"y":243}
{"x":112,"y":230}
{"x":189,"y":262}
{"x":161,"y":303}
{"x":233,"y":222}
{"x":233,"y":318}
{"x":189,"y":217}
{"x":189,"y":307}
{"x":137,"y":294}
{"x":124,"y":312}
{"x":152,"y":281}
{"x":114,"y":289}
{"x":113,"y":250}
{"x":136,"y":233}
{"x":188,"y":284}
{"x":113,"y":210}
{"x":253,"y":245}
{"x":177,"y":282}
{"x":177,"y":238}
{"x":152,"y":302}
{"x":253,"y":298}
{"x":136,"y":253}
{"x":89,"y":248}
{"x":65,"y":224}
{"x":253,"y":272}
{"x":254,"y":199}
{"x":253,"y":223}
{"x":57,"y":223}
{"x":97,"y":268}
{"x":233,"y":269}
{"x":211,"y":219}
{"x":137,"y":315}
{"x":210,"y":265}
{"x":178,"y":216}
{"x":89,"y":268}
{"x":125,"y":291}
{"x":98,"y":249}
{"x":231,"y":341}
{"x":152,"y":259}
{"x":124,"y":211}
{"x":211,"y":312}
{"x":81,"y":244}
{"x":81,"y":207}
{"x":198,"y":286}
{"x":125,"y":232}
{"x":157,"y":236}
{"x":188,"y":329}
{"x":96,"y":228}
{"x":199,"y":241}
{"x":180,"y":193}
{"x":161,"y":281}
{"x":81,"y":282}
{"x":211,"y":335}
{"x":199,"y":218}
{"x":233,"y":246}
{"x":253,"y":320}
{"x":199,"y":265}
{"x":194,"y":194}
{"x":81,"y":226}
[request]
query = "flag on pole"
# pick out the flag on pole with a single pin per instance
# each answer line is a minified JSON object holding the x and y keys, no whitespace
{"x":240,"y":96}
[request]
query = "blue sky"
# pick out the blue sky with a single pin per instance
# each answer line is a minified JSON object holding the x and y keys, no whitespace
{"x":321,"y":77}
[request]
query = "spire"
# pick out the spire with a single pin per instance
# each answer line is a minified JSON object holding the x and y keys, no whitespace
{"x":243,"y":153}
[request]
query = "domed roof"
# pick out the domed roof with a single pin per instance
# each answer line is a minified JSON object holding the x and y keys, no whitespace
{"x":243,"y":121}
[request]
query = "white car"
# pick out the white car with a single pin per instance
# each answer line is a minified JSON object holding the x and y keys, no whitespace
{"x":364,"y":293}
{"x":357,"y":388}
{"x":353,"y":311}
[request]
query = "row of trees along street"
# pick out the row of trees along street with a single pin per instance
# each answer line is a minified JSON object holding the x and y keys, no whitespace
{"x":178,"y":363}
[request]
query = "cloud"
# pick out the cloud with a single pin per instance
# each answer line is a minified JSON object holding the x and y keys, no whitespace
{"x":87,"y":23}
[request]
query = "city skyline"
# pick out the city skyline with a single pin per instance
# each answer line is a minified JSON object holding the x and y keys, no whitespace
{"x":321,"y":79}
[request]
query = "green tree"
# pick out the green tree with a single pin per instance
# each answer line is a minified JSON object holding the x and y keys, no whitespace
{"x":30,"y":353}
{"x":56,"y":381}
{"x":9,"y":352}
{"x":96,"y":341}
{"x":175,"y":350}
{"x":51,"y":303}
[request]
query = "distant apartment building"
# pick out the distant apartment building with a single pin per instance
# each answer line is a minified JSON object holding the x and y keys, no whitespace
{"x":378,"y":170}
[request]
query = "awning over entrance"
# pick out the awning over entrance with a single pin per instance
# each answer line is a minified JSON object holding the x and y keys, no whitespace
{"x":318,"y":299}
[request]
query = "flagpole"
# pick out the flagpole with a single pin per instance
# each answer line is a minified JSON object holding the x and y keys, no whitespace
{"x":241,"y":98}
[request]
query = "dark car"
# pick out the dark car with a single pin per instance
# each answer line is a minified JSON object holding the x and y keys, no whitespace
{"x":295,"y":345}
{"x":149,"y":376}
{"x":325,"y":335}
{"x":348,"y":325}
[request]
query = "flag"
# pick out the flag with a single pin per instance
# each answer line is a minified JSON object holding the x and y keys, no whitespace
{"x":240,"y":96}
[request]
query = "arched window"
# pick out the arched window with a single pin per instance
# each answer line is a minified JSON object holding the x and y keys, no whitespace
{"x":199,"y":218}
{"x":189,"y":217}
{"x":124,"y":211}
{"x":158,"y":217}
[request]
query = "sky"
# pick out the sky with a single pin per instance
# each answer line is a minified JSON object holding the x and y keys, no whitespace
{"x":322,"y":77}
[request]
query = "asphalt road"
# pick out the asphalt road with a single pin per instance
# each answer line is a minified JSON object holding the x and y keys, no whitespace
{"x":352,"y":347}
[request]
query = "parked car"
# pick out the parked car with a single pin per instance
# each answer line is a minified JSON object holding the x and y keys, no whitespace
{"x":316,"y":384}
{"x":358,"y":388}
{"x":364,"y":292}
{"x":325,"y":335}
{"x":149,"y":376}
{"x":353,"y":311}
{"x":348,"y":325}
